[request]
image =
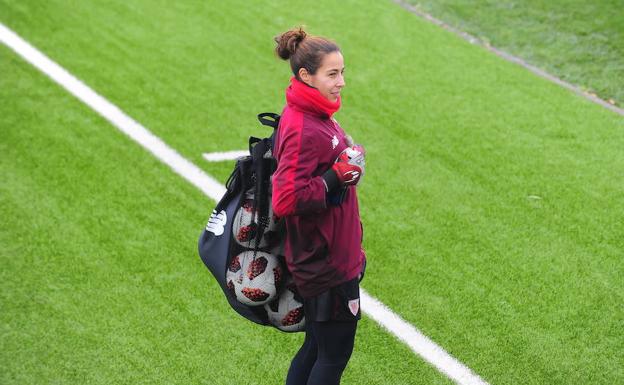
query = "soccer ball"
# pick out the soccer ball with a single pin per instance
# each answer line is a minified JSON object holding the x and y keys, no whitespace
{"x":286,"y":311}
{"x":245,"y":226}
{"x":254,"y":277}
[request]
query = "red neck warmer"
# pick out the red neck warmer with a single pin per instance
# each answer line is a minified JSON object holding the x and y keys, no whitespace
{"x":308,"y":99}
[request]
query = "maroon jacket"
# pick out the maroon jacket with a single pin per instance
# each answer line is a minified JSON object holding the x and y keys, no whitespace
{"x":323,"y":241}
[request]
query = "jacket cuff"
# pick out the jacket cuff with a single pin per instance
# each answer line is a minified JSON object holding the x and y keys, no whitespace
{"x":331,"y":180}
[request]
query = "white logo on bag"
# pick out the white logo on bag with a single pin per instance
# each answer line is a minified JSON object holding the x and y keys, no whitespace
{"x":216,"y":223}
{"x":334,"y":142}
{"x":354,"y":306}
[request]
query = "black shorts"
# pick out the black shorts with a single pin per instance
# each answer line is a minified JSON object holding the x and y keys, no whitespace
{"x":339,"y":303}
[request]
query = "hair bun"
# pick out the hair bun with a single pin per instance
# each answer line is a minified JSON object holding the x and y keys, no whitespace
{"x":288,"y":42}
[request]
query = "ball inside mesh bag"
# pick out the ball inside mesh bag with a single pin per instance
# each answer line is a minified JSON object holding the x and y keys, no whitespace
{"x":286,"y":311}
{"x":254,"y":277}
{"x":246,"y":225}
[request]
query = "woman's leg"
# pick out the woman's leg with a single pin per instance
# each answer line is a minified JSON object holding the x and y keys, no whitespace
{"x":335,"y":341}
{"x":304,"y":360}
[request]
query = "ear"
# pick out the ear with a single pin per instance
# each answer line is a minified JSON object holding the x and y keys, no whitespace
{"x":304,"y":75}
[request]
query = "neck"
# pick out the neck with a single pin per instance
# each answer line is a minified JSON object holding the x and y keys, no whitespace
{"x":303,"y":96}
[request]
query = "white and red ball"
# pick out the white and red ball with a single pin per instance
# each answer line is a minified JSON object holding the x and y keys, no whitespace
{"x":254,"y":277}
{"x":245,"y":226}
{"x":286,"y":311}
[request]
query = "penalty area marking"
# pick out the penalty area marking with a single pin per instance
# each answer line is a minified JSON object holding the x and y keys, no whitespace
{"x":418,"y":342}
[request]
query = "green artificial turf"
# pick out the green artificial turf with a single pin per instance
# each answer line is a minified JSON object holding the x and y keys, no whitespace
{"x":491,"y":202}
{"x":581,"y":42}
{"x":101,"y":282}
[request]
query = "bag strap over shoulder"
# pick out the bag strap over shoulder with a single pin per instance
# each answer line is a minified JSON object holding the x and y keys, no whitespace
{"x":272,"y":122}
{"x":269,"y":119}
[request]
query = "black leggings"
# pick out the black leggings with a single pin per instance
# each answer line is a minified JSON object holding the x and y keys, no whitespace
{"x":324,"y":354}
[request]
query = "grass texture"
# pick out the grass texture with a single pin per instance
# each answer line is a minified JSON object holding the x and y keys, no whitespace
{"x":491,"y":203}
{"x":101,"y":283}
{"x":581,"y":42}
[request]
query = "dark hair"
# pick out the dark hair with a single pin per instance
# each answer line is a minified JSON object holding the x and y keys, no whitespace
{"x":303,"y":50}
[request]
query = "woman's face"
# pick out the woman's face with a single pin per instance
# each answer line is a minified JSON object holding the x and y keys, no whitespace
{"x":329,"y":78}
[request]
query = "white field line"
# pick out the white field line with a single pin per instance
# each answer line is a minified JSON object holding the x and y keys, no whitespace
{"x":220,"y":156}
{"x":473,"y":40}
{"x":405,"y":332}
{"x":114,"y":115}
{"x":418,"y":342}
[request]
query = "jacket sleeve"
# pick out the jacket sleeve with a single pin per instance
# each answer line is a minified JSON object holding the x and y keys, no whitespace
{"x":295,"y":190}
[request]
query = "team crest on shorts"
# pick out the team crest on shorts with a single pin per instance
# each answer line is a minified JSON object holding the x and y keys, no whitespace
{"x":354,"y":306}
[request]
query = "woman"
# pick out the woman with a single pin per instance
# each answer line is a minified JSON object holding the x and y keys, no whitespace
{"x":314,"y":190}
